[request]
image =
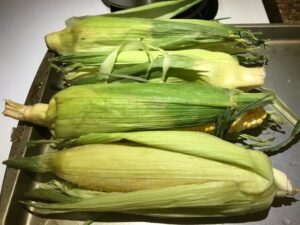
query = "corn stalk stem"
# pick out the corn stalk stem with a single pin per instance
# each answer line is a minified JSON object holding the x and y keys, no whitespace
{"x":32,"y":113}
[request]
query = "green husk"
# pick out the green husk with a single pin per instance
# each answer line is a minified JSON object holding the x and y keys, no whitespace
{"x":100,"y":138}
{"x":181,"y":201}
{"x":84,"y":109}
{"x":104,"y":34}
{"x":273,"y":149}
{"x":62,"y":191}
{"x":194,"y":65}
{"x":49,"y":196}
{"x":156,"y":10}
{"x":175,"y":174}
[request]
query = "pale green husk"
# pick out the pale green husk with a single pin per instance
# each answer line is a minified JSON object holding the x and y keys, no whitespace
{"x":156,"y":10}
{"x":167,"y":174}
{"x":193,"y":65}
{"x":104,"y":34}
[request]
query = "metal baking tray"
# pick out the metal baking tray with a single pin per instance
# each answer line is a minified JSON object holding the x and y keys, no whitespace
{"x":283,"y":76}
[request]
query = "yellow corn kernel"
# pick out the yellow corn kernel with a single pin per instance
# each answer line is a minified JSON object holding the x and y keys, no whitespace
{"x":248,"y":120}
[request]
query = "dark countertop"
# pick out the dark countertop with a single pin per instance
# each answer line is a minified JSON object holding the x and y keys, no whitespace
{"x":289,"y":10}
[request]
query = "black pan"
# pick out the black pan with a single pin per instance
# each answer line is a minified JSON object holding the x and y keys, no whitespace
{"x":207,"y":9}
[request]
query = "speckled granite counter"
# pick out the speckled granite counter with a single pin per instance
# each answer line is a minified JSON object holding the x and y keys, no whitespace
{"x":289,"y":10}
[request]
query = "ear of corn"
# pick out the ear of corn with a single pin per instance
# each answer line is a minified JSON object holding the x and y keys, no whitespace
{"x":182,"y":171}
{"x":194,"y":65}
{"x":84,"y":109}
{"x":104,"y":34}
{"x":247,"y":120}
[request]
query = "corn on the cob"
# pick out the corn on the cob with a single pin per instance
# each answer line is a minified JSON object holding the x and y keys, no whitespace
{"x":248,"y":120}
{"x":79,"y":110}
{"x":104,"y":34}
{"x":194,"y":65}
{"x":164,"y":173}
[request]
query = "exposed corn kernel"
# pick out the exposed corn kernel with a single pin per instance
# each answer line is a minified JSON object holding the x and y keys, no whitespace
{"x":248,"y":120}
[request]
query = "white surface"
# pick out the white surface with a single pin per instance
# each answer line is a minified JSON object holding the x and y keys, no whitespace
{"x":23,"y":25}
{"x":242,"y":11}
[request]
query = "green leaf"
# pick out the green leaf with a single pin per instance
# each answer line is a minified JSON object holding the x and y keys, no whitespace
{"x":50,"y":195}
{"x":157,"y":10}
{"x":281,"y":145}
{"x":108,"y":64}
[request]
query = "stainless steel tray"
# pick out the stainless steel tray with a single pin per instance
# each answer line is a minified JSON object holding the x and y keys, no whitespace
{"x":283,"y":76}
